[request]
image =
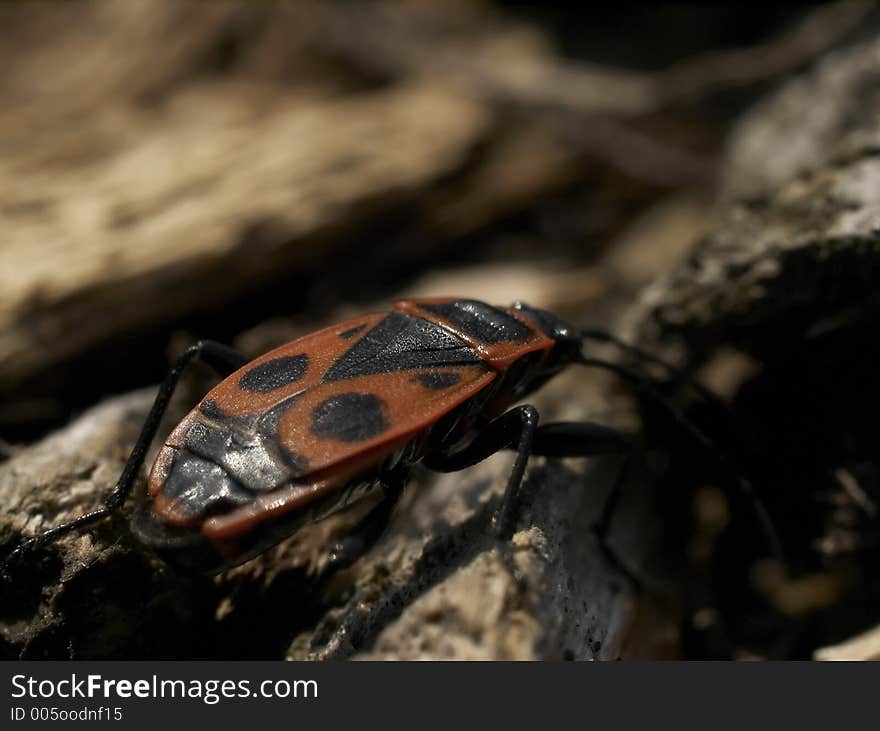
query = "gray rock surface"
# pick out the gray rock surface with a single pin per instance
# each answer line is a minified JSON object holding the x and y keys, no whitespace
{"x":796,"y":243}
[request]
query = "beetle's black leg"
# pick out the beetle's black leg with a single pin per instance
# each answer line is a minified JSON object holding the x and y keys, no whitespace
{"x":585,"y":439}
{"x":602,"y":527}
{"x":220,"y":357}
{"x":518,"y":429}
{"x":370,"y":528}
{"x":505,"y":516}
{"x":744,"y":486}
{"x":603,"y":524}
{"x":514,"y":429}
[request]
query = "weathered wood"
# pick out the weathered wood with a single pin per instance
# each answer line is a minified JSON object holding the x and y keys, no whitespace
{"x":139,"y":192}
{"x":215,"y":188}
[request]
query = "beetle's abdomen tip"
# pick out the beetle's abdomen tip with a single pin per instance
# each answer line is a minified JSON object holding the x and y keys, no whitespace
{"x":185,"y":548}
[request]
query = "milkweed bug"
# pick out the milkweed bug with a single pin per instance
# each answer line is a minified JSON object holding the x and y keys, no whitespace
{"x":304,"y":430}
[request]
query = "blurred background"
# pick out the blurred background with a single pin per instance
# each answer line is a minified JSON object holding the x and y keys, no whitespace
{"x":187,"y":169}
{"x":248,"y":171}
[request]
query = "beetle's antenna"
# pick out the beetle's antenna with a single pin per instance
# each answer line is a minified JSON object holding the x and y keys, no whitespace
{"x":745,"y":486}
{"x":647,"y":357}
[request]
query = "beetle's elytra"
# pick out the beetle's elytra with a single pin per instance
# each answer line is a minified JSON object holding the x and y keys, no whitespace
{"x":299,"y":432}
{"x":302,"y":431}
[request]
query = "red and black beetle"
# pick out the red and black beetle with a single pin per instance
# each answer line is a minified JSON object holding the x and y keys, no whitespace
{"x":302,"y":431}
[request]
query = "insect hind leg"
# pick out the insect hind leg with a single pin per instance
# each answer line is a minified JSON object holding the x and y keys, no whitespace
{"x":221,"y":358}
{"x":370,"y":528}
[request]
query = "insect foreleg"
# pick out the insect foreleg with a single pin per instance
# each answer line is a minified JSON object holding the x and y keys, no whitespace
{"x":742,"y":484}
{"x":514,"y":429}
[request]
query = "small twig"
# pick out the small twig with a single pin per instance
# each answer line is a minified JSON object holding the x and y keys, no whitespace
{"x":512,"y":64}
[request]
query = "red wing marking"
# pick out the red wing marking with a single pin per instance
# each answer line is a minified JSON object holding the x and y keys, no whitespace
{"x":384,"y":407}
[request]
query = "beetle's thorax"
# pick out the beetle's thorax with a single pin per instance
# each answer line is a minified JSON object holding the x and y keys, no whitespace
{"x":500,"y":336}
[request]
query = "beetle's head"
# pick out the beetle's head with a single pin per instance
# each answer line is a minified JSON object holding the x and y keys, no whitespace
{"x":566,"y":336}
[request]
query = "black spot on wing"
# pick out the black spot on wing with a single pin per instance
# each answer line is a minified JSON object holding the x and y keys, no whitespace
{"x":349,"y":417}
{"x":481,"y":321}
{"x":400,"y":343}
{"x":274,"y":373}
{"x":437,"y":381}
{"x":267,"y":428}
{"x":212,"y":410}
{"x":351,"y":332}
{"x":201,"y":487}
